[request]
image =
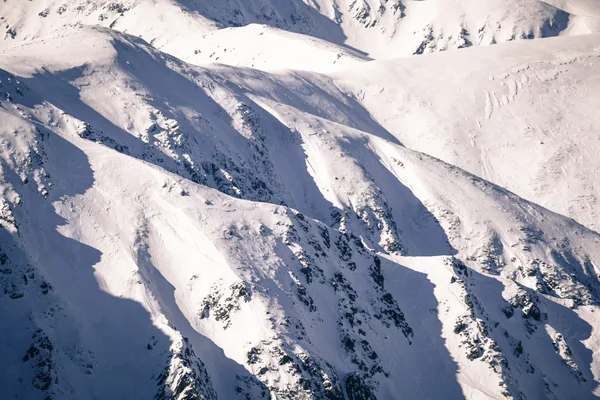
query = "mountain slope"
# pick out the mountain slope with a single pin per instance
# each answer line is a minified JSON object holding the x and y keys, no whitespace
{"x":520,"y":116}
{"x":201,"y":232}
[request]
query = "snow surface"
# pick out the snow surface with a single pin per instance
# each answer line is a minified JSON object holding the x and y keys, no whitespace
{"x":253,"y":200}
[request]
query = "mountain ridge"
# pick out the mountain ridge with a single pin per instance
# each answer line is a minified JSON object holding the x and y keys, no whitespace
{"x":216,"y":231}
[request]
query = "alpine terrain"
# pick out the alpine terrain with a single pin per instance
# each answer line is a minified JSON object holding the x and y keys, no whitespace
{"x":299,"y":199}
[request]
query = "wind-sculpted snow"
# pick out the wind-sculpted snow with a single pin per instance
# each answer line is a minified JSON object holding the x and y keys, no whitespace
{"x":523,"y":120}
{"x":174,"y":231}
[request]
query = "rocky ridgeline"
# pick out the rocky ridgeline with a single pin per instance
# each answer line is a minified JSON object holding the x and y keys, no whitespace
{"x":326,"y":19}
{"x":185,"y":376}
{"x":326,"y":267}
{"x":23,"y":151}
{"x":487,"y":339}
{"x":167,"y":144}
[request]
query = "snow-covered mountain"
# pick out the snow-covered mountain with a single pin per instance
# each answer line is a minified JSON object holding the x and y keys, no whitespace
{"x":220,"y":30}
{"x":251,"y":199}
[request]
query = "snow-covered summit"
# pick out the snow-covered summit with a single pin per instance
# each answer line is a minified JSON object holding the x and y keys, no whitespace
{"x":289,"y":218}
{"x":381,"y":29}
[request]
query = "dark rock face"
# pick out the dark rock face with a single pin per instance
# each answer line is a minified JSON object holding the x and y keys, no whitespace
{"x":220,"y":303}
{"x":356,"y":389}
{"x":40,"y":356}
{"x":184,"y":377}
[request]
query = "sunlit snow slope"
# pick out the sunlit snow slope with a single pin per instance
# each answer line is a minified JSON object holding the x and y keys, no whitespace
{"x":299,"y":221}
